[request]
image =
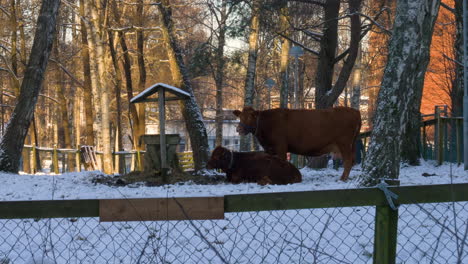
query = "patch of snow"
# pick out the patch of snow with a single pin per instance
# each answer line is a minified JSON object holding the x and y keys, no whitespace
{"x":79,"y":185}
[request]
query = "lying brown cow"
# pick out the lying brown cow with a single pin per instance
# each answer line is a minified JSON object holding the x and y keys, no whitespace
{"x":256,"y":167}
{"x":304,"y":132}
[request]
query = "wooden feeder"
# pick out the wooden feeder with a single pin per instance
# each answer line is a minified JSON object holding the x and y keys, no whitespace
{"x":164,"y":92}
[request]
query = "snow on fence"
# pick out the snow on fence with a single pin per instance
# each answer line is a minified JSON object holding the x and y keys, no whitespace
{"x":331,"y":226}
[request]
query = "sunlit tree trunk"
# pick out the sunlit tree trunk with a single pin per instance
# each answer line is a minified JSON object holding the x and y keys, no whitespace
{"x":249,"y":85}
{"x":11,"y":144}
{"x":285,"y":46}
{"x":137,"y":123}
{"x":118,"y":89}
{"x":401,"y":88}
{"x":63,"y":123}
{"x":95,"y":41}
{"x":14,"y":47}
{"x":190,"y":110}
{"x":87,"y":88}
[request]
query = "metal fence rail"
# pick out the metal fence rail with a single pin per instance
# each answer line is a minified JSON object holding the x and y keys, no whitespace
{"x":334,"y":226}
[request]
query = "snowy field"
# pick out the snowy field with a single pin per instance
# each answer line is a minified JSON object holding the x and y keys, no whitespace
{"x":333,"y":235}
{"x":80,"y":186}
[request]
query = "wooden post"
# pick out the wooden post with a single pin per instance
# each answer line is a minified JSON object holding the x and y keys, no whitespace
{"x":162,"y":132}
{"x":33,"y":159}
{"x":438,"y":139}
{"x":138,"y":160}
{"x":458,"y":125}
{"x":55,"y":160}
{"x":385,"y":236}
{"x":424,"y":146}
{"x":78,"y":158}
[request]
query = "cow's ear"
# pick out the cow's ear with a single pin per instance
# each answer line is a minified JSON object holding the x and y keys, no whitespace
{"x":236,"y":113}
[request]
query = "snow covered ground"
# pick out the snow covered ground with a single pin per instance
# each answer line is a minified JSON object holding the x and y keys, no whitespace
{"x":80,"y":186}
{"x":331,"y":235}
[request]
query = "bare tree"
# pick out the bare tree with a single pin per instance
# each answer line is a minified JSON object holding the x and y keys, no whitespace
{"x":12,"y":142}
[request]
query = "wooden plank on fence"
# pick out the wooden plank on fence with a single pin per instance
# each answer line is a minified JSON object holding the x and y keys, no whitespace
{"x":154,"y":209}
{"x":345,"y":198}
{"x":303,"y":200}
{"x":49,"y":209}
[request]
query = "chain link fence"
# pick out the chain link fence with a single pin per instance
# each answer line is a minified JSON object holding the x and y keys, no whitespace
{"x":427,"y":233}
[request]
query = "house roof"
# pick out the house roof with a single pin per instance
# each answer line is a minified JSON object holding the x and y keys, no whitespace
{"x":171,"y":93}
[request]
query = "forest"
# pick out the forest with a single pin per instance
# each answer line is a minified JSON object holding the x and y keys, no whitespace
{"x":69,"y":69}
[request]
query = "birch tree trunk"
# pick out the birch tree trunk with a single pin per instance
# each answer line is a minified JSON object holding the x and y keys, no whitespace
{"x":249,"y":86}
{"x":190,"y":110}
{"x":401,"y":87}
{"x":11,"y":144}
{"x":96,"y":42}
{"x":219,"y":75}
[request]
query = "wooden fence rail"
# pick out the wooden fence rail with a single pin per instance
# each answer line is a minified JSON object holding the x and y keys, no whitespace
{"x":185,"y":158}
{"x":386,"y":220}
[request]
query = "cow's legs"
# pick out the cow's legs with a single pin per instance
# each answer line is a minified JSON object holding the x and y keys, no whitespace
{"x":347,"y":155}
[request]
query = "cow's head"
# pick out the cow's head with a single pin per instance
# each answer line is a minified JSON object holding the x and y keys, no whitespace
{"x":248,"y":120}
{"x":220,"y":158}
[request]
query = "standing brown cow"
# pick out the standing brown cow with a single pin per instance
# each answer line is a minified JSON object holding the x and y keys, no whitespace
{"x":304,"y":132}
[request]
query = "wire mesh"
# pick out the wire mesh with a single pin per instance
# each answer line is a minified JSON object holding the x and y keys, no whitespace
{"x":427,"y":233}
{"x":433,"y":233}
{"x":334,"y":235}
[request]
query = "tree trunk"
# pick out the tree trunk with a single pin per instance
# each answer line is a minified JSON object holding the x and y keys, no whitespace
{"x":190,"y":110}
{"x":356,"y":84}
{"x":14,"y":43}
{"x":219,"y":75}
{"x":136,"y":129}
{"x":140,"y":125}
{"x":285,"y":46}
{"x":118,"y":89}
{"x":11,"y":145}
{"x":249,"y":86}
{"x":63,"y":123}
{"x":456,"y":94}
{"x":96,"y":40}
{"x":401,"y":87}
{"x":326,"y":93}
{"x":87,"y":88}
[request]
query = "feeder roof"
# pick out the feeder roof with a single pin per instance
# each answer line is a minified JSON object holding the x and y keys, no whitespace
{"x":171,"y":93}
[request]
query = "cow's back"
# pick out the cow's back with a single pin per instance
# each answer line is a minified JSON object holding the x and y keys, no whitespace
{"x":309,"y":132}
